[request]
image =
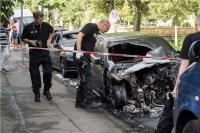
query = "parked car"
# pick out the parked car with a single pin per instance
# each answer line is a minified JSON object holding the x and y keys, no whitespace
{"x":187,"y":107}
{"x":142,"y":82}
{"x":59,"y":28}
{"x":63,"y":60}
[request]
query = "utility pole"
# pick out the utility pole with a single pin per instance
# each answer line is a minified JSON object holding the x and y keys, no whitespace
{"x":21,"y":21}
{"x":176,"y":36}
{"x":21,"y":26}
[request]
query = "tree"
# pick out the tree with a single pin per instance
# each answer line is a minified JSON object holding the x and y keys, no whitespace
{"x":77,"y":12}
{"x":177,"y":10}
{"x":140,"y":7}
{"x":110,"y":4}
{"x":71,"y":11}
{"x":126,"y":12}
{"x":103,"y":6}
{"x":6,"y":11}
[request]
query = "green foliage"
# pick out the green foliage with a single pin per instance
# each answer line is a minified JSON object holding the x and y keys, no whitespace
{"x":176,"y":10}
{"x":126,"y":11}
{"x":78,"y":12}
{"x":6,"y":11}
{"x":140,"y":7}
{"x":73,"y":11}
{"x":29,"y":4}
{"x":101,"y":6}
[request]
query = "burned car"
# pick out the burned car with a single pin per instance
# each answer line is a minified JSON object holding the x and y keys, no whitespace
{"x":63,"y":60}
{"x":141,"y":82}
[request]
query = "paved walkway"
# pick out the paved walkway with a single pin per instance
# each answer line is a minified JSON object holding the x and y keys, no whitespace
{"x":20,"y":114}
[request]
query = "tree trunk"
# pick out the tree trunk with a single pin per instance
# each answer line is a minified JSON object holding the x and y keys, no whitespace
{"x":120,"y":20}
{"x":137,"y":5}
{"x":137,"y":21}
{"x":111,"y":4}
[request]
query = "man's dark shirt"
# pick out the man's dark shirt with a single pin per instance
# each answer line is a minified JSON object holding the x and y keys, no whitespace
{"x":189,"y":39}
{"x":90,"y":31}
{"x":39,"y":33}
{"x":89,"y":40}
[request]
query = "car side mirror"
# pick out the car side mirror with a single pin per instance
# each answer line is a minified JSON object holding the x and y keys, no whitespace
{"x":194,"y":51}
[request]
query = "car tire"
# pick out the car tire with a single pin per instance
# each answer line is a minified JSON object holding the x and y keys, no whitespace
{"x":119,"y":96}
{"x":192,"y":126}
{"x":62,"y":69}
{"x":105,"y":83}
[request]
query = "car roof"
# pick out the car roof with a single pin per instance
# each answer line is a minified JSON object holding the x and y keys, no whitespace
{"x":68,"y":31}
{"x":124,"y":36}
{"x":127,"y":35}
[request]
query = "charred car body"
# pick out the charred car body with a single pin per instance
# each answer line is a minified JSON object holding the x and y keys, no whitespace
{"x":142,"y":82}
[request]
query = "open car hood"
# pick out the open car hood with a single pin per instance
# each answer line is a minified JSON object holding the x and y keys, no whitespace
{"x":145,"y":63}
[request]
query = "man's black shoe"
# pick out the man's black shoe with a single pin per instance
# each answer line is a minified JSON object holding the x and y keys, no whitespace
{"x":48,"y":95}
{"x":79,"y":105}
{"x":94,"y":105}
{"x":37,"y":97}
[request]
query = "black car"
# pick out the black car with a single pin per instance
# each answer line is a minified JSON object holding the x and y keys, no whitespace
{"x":142,"y":82}
{"x":63,"y":60}
{"x":59,"y":28}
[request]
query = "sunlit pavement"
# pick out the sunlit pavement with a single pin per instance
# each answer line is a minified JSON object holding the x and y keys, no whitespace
{"x":20,"y":114}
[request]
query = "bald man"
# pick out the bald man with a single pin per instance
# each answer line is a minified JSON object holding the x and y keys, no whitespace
{"x":85,"y":41}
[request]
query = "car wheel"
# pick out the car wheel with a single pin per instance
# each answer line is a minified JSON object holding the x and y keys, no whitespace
{"x":62,"y":69}
{"x":192,"y":126}
{"x":119,"y":96}
{"x":105,"y":83}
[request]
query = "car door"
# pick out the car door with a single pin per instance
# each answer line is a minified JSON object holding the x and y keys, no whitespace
{"x":98,"y":68}
{"x":51,"y":51}
{"x":56,"y":51}
{"x":68,"y":41}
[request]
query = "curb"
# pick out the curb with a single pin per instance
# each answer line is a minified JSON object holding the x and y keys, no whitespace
{"x":120,"y":124}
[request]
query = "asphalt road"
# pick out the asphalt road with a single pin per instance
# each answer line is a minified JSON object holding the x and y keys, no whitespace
{"x":20,"y":114}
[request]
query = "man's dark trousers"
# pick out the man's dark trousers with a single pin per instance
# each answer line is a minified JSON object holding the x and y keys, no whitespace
{"x":165,"y":124}
{"x":85,"y":90}
{"x":35,"y":62}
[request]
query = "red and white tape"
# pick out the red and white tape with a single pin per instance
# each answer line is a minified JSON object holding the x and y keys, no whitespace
{"x":99,"y":53}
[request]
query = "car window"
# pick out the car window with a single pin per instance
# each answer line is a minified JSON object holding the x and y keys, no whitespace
{"x":57,"y":39}
{"x":150,"y":42}
{"x":54,"y":39}
{"x":130,"y":48}
{"x":70,"y":36}
{"x":156,"y":42}
{"x":69,"y":39}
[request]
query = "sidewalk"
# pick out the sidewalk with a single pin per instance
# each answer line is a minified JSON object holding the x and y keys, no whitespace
{"x":20,"y":114}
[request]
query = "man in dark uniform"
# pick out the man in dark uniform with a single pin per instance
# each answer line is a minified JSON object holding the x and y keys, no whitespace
{"x":39,"y":34}
{"x":86,"y":42}
{"x":166,"y":123}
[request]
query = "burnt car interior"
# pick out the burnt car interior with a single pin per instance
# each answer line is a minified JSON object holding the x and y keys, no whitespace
{"x":127,"y":48}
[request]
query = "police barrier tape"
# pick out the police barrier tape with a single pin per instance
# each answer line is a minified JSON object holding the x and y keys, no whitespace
{"x":97,"y":53}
